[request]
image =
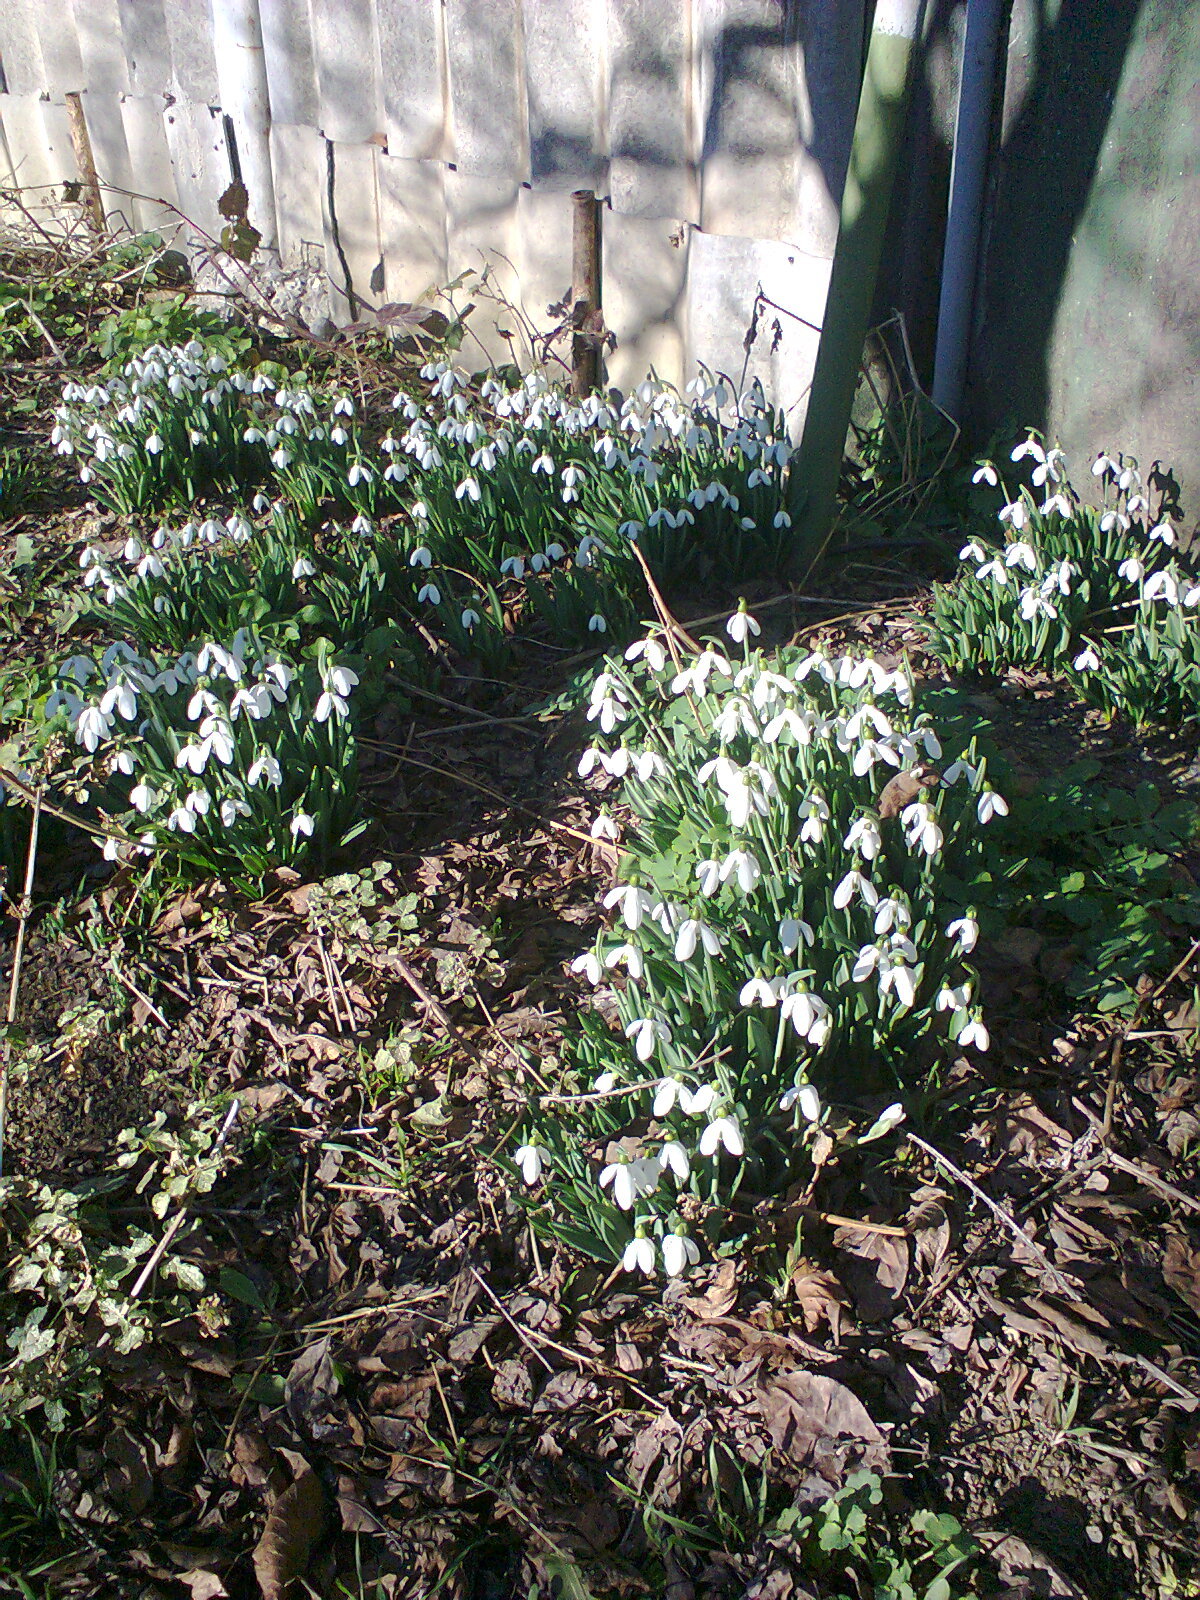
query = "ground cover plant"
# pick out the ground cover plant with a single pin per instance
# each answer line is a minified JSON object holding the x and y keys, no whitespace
{"x":723,"y":1127}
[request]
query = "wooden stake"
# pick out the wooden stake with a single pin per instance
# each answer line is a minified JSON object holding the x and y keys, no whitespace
{"x":89,"y":182}
{"x":585,"y":291}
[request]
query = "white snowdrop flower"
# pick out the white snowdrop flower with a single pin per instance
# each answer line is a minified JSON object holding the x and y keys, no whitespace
{"x":281,"y":458}
{"x":864,"y":836}
{"x":544,"y":463}
{"x":302,"y":823}
{"x":647,"y":765}
{"x":975,"y":1033}
{"x":693,"y":934}
{"x":1016,"y":513}
{"x":469,"y":618}
{"x":513,"y":567}
{"x":1162,"y":584}
{"x":1087,"y":660}
{"x":182,"y":820}
{"x":143,"y":798}
{"x":808,"y":1013}
{"x":1163,"y":532}
{"x":781,"y":520}
{"x":679,"y":1252}
{"x":597,"y":624}
{"x":985,"y":472}
{"x":1114,"y":519}
{"x":1021,"y":554}
{"x":1029,"y":447}
{"x":265,"y":767}
{"x":629,"y":957}
{"x":555,"y":551}
{"x":966,"y":931}
{"x":1034,"y":605}
{"x":709,"y":875}
{"x":920,"y":824}
{"x":950,"y":998}
{"x":429,"y":594}
{"x":631,"y":1179}
{"x":631,"y":530}
{"x":639,"y":1255}
{"x":532,"y":1160}
{"x":744,"y":867}
{"x":804,"y":1096}
{"x":422,"y":556}
{"x":814,"y":811}
{"x":722,"y":1131}
{"x":892,"y":913}
{"x":605,"y":1083}
{"x":154,"y":445}
{"x":742,"y":626}
{"x":855,"y":884}
{"x":793,"y":932}
{"x":92,"y":725}
{"x":648,"y":650}
{"x":1055,"y":502}
{"x":589,"y":965}
{"x":647,"y":1033}
{"x":231,"y":810}
{"x":636,"y":904}
{"x":994,"y":570}
{"x":736,"y":717}
{"x":359,"y":473}
{"x":760,"y":992}
{"x":991,"y":805}
{"x":302,"y":567}
{"x":972,"y":552}
{"x":603,"y":827}
{"x":362,"y":525}
{"x":469,"y":488}
{"x":339,"y":681}
{"x":1102,"y":464}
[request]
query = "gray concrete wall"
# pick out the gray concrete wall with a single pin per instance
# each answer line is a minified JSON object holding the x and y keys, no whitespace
{"x":1088,"y":313}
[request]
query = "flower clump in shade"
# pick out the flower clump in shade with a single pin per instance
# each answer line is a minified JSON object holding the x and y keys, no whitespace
{"x":782,"y":929}
{"x":1101,"y":592}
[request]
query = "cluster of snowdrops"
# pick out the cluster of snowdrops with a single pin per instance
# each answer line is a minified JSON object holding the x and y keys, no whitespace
{"x":483,"y":508}
{"x":788,"y":927}
{"x":1101,"y":593}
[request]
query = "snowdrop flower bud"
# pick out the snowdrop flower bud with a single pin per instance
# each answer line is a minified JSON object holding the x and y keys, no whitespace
{"x":639,"y":1254}
{"x":532,"y":1159}
{"x":679,"y":1252}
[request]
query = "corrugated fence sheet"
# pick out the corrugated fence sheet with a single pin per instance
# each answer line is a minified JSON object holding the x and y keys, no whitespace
{"x":414,"y":140}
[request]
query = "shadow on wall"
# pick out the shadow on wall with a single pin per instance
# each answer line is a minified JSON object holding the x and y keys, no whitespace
{"x":1043,"y":178}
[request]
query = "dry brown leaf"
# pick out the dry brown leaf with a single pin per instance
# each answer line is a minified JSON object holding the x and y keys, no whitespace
{"x":204,"y":1585}
{"x":294,"y":1523}
{"x":814,"y":1421}
{"x":875,"y":1272}
{"x":820,"y":1298}
{"x":720,"y":1296}
{"x":1181,"y":1269}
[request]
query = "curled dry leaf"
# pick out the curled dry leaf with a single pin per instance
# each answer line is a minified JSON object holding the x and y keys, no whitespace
{"x":294,"y":1524}
{"x":816,"y":1423}
{"x":820,"y":1298}
{"x":718,"y":1298}
{"x":1181,"y":1269}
